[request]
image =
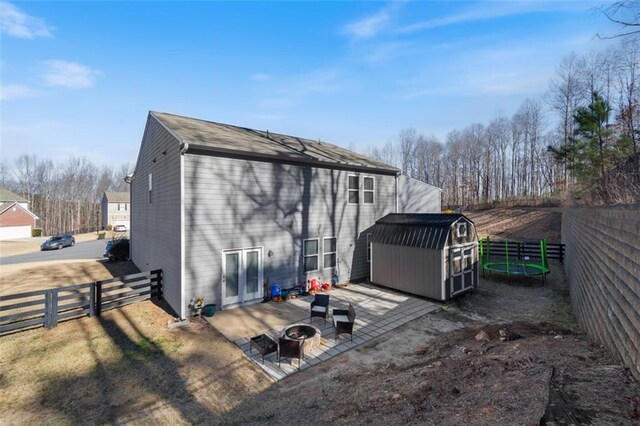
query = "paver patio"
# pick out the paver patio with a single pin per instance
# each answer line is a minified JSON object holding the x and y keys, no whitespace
{"x":378,"y":311}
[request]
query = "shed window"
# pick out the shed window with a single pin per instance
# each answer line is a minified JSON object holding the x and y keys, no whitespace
{"x":150,"y":188}
{"x":354,"y":187}
{"x":368,"y":247}
{"x":329,"y":247}
{"x":461,"y":229}
{"x":368,"y":190}
{"x":310,"y":253}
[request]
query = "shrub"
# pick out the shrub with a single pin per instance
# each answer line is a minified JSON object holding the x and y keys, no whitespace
{"x":101,"y":235}
{"x":36,"y":232}
{"x":109,"y":227}
{"x":120,"y":250}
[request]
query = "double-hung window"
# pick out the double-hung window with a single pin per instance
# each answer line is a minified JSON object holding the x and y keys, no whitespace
{"x":329,"y":247}
{"x":368,"y":190}
{"x":310,"y":253}
{"x":353,"y":189}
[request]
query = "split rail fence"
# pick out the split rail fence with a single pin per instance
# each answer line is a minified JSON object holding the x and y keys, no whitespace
{"x":48,"y":307}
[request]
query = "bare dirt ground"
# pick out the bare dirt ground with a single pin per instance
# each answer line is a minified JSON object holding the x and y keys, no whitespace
{"x":525,"y":223}
{"x":24,"y":277}
{"x":123,"y":367}
{"x":434,"y":370}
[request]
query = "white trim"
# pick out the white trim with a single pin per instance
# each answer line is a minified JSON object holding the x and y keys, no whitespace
{"x":444,"y":273}
{"x":350,"y":190}
{"x":182,"y":243}
{"x":331,"y":252}
{"x":304,"y":255}
{"x":373,"y":191}
{"x":18,"y":203}
{"x":242,"y":284}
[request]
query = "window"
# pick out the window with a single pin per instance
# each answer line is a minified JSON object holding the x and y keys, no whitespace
{"x":368,"y":247}
{"x":461,"y":229}
{"x":354,"y":187}
{"x":329,"y":250}
{"x":150,"y":188}
{"x":368,"y":190}
{"x":310,"y":253}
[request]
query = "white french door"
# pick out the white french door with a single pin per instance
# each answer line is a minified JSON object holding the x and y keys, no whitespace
{"x":242,"y":275}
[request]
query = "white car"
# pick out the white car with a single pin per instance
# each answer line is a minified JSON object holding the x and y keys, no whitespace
{"x":120,"y":228}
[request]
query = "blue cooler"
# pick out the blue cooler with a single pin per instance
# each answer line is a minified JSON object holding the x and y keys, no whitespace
{"x":275,"y":290}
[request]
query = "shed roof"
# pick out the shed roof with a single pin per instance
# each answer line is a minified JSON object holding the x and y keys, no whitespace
{"x":424,"y":230}
{"x":6,"y":195}
{"x":227,"y":139}
{"x":117,"y":197}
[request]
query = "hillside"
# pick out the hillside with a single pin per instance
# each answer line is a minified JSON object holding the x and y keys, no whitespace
{"x":521,"y":223}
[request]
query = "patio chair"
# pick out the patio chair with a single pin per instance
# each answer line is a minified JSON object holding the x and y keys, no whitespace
{"x":343,"y":320}
{"x":320,"y":307}
{"x":288,"y":348}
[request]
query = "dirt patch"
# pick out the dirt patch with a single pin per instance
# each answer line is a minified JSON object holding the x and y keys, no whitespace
{"x":24,"y":277}
{"x":527,"y":223}
{"x":124,"y":367}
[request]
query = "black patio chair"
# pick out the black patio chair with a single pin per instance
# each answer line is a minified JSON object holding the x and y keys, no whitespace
{"x":288,"y":348}
{"x":343,"y":320}
{"x":320,"y":307}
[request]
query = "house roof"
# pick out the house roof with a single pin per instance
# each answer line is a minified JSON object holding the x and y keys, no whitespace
{"x":6,"y":195}
{"x":117,"y":197}
{"x":208,"y":136}
{"x":424,"y":230}
{"x":6,"y":206}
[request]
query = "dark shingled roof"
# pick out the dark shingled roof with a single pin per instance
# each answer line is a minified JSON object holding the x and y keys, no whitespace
{"x":6,"y":195}
{"x":425,"y":230}
{"x":227,"y":139}
{"x":117,"y":197}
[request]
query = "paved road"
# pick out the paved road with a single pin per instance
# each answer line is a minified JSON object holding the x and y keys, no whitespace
{"x":82,"y":250}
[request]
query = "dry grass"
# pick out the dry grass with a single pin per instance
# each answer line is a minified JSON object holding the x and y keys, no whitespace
{"x":19,"y":278}
{"x":124,"y":367}
{"x":526,"y":223}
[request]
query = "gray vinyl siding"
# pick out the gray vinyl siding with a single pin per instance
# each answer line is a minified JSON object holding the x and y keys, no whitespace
{"x":417,"y":197}
{"x":237,"y":203}
{"x":155,"y":229}
{"x":410,"y":269}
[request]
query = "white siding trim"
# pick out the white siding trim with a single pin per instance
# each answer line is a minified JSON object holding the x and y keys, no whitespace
{"x":182,"y":244}
{"x":445,"y":275}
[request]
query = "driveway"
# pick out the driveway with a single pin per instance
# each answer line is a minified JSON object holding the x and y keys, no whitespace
{"x":82,"y":250}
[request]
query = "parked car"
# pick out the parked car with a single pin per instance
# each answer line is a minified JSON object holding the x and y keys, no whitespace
{"x":120,"y":228}
{"x":117,"y":250}
{"x":57,"y":242}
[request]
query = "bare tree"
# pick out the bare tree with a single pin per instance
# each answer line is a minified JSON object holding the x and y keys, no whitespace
{"x":626,"y":14}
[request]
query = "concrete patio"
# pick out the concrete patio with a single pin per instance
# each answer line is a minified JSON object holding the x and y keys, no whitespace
{"x":378,"y":311}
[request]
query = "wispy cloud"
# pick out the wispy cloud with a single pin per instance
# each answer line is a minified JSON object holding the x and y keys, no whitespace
{"x":260,"y":77}
{"x":15,"y":23}
{"x":17,"y":91}
{"x":68,"y":74}
{"x":319,"y":82}
{"x":487,"y":11}
{"x":371,"y":25}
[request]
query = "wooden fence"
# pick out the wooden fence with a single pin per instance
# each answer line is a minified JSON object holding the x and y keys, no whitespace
{"x":48,"y":307}
{"x":529,"y":249}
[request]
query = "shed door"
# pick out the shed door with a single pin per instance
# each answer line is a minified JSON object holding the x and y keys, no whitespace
{"x":461,"y":268}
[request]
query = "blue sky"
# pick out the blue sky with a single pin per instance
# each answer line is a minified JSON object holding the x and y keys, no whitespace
{"x":78,"y":78}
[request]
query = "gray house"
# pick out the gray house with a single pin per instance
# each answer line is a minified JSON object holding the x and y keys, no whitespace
{"x":221,"y":209}
{"x":115,"y":208}
{"x":429,"y":254}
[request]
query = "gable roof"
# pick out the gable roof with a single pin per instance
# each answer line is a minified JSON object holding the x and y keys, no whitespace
{"x":206,"y":136}
{"x":424,"y":230}
{"x":6,"y":206}
{"x":117,"y":197}
{"x":6,"y":195}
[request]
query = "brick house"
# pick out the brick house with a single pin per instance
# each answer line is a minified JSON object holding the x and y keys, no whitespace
{"x":16,"y":220}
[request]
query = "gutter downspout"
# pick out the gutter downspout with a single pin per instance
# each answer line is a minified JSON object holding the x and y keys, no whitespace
{"x":183,"y":149}
{"x":397,"y":175}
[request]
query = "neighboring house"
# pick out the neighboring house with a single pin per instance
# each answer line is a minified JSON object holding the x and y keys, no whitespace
{"x":222,"y":208}
{"x":115,"y":209}
{"x":16,"y":220}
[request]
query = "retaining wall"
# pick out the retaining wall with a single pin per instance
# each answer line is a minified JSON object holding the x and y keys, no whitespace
{"x":602,"y":266}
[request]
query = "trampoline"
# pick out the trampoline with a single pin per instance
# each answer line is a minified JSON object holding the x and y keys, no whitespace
{"x":517,"y":258}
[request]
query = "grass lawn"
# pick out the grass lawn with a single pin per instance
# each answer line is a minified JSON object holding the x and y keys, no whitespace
{"x":125,"y":366}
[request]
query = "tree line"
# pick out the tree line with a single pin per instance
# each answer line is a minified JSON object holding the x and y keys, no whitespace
{"x":66,"y":194}
{"x":587,"y":122}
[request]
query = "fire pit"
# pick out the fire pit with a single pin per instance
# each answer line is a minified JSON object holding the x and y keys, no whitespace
{"x":309,"y":333}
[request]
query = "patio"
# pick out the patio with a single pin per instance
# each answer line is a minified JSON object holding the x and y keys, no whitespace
{"x":378,"y":311}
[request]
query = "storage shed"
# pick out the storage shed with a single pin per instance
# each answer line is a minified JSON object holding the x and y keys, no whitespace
{"x":427,"y":254}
